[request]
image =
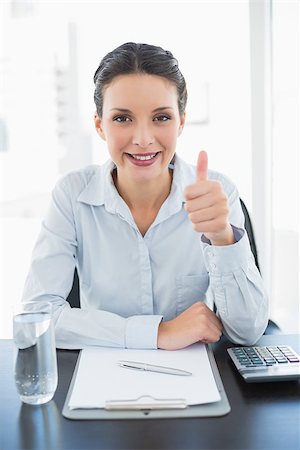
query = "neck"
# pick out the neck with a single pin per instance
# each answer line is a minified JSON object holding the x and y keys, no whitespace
{"x":145,"y":196}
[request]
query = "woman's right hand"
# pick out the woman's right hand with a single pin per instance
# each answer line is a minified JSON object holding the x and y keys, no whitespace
{"x":197,"y":323}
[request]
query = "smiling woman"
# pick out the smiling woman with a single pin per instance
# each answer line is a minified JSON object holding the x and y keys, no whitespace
{"x":143,"y":135}
{"x":157,"y":242}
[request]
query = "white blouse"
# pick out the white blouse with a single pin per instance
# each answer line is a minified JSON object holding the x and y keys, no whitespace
{"x":130,"y":282}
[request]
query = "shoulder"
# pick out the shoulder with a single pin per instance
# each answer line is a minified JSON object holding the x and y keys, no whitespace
{"x":187,"y":173}
{"x":80,"y":178}
{"x":86,"y":182}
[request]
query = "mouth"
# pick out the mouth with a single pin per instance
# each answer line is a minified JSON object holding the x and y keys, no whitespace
{"x":142,"y":159}
{"x":142,"y":156}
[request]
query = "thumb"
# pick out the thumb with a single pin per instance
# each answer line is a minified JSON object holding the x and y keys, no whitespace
{"x":202,"y":165}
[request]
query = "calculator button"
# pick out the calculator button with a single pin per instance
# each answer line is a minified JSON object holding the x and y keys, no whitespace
{"x":244,"y":361}
{"x":265,"y":360}
{"x":272,"y":349}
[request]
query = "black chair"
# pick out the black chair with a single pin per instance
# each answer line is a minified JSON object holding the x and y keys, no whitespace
{"x":74,"y":295}
{"x":250,"y":232}
{"x":272,"y":328}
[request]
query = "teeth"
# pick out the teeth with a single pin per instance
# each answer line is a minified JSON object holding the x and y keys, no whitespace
{"x":143,"y":158}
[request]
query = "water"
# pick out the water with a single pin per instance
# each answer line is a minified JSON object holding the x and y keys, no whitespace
{"x":35,"y":360}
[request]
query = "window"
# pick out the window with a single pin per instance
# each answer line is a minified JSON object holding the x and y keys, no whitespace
{"x":285,"y":164}
{"x":46,"y":107}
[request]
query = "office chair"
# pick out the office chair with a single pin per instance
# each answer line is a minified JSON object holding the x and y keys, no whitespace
{"x":74,"y":295}
{"x":250,"y":232}
{"x":272,"y":328}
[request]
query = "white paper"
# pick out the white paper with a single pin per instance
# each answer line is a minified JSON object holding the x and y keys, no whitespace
{"x":100,"y":378}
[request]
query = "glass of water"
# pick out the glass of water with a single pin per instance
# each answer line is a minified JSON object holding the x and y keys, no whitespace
{"x":35,"y":353}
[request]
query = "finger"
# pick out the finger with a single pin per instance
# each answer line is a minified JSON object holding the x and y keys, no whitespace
{"x":210,"y":226}
{"x":215,"y":323}
{"x":214,"y":212}
{"x":203,"y":202}
{"x":204,"y":310}
{"x":210,"y":333}
{"x":196,"y":190}
{"x":202,"y":165}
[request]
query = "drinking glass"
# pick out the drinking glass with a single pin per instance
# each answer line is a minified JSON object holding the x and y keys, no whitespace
{"x":35,"y":368}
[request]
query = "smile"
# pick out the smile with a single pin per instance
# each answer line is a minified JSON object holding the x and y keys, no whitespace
{"x":143,"y":157}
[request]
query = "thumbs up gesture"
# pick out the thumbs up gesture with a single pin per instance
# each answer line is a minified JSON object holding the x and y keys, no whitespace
{"x":207,"y":205}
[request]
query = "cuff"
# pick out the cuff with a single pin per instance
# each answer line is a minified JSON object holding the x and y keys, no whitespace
{"x":237,"y":232}
{"x":141,"y":331}
{"x":228,"y":258}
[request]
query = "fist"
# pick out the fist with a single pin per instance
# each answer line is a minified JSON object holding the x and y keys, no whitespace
{"x":207,"y":206}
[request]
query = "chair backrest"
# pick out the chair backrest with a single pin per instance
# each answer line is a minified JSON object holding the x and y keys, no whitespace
{"x":272,"y":327}
{"x":74,"y":295}
{"x":250,"y":232}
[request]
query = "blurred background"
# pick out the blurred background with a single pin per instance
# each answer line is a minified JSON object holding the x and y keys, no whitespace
{"x":241,"y":63}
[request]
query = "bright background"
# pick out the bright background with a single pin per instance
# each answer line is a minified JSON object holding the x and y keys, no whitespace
{"x":49,"y":51}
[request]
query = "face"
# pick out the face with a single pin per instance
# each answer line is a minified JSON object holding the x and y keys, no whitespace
{"x":141,"y":124}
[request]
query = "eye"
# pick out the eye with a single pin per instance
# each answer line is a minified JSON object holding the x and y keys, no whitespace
{"x":121,"y":119}
{"x":162,"y":118}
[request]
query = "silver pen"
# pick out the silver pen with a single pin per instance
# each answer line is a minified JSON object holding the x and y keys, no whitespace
{"x":152,"y":368}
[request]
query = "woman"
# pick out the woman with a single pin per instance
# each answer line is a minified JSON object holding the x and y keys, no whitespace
{"x":156,"y":242}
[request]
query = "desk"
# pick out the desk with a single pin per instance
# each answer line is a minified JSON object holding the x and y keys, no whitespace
{"x":263,"y":416}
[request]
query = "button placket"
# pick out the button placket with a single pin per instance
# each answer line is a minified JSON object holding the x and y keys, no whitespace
{"x":212,"y":260}
{"x":146,"y":277}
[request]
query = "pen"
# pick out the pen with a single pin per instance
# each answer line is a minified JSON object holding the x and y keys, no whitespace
{"x":152,"y":368}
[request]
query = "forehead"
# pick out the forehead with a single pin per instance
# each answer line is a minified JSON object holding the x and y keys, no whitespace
{"x":140,"y":90}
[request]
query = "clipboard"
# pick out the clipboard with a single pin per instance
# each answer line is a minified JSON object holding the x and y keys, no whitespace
{"x":149,"y":408}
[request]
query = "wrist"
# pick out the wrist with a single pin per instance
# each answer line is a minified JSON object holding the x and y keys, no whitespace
{"x":226,"y":237}
{"x":161,"y":334}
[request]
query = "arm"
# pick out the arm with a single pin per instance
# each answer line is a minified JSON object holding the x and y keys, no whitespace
{"x":236,"y":287}
{"x":197,"y":323}
{"x":50,"y":278}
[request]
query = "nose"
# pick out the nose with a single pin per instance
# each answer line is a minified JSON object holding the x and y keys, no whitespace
{"x":143,"y":136}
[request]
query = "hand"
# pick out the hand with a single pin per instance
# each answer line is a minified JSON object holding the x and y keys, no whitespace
{"x":207,"y":205}
{"x":197,"y":323}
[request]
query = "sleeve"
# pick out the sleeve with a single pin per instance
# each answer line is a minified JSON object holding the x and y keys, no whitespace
{"x":50,"y":279}
{"x":236,"y":286}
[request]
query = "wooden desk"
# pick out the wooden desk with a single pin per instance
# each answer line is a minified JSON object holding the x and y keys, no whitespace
{"x":263,"y":416}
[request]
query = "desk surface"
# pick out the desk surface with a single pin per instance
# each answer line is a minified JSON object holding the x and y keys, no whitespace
{"x":263,"y":416}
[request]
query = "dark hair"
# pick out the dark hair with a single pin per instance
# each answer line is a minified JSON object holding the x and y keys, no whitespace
{"x":132,"y":58}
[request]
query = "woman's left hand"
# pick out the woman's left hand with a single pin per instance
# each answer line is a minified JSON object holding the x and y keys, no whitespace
{"x":207,"y":205}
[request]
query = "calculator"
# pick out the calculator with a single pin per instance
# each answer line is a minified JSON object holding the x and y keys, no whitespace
{"x":266,"y":363}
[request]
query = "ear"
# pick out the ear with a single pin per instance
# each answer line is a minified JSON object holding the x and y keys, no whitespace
{"x":98,"y":126}
{"x":182,"y":122}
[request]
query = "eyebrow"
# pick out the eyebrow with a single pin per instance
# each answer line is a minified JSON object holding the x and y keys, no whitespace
{"x":161,"y":108}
